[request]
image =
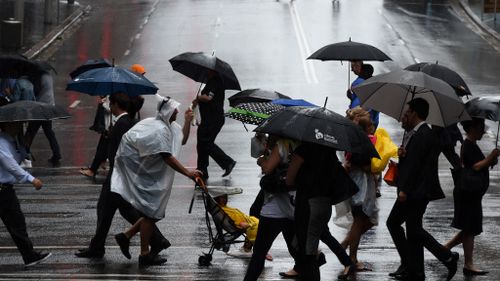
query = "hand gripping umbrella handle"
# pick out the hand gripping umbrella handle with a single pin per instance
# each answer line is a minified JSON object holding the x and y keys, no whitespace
{"x":200,"y":184}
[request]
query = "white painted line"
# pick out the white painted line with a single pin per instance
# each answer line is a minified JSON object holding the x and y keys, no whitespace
{"x":300,"y":42}
{"x":69,"y":276}
{"x":402,"y":42}
{"x":137,"y":36}
{"x":306,"y":45}
{"x":74,"y":104}
{"x":70,"y":247}
{"x":127,"y":52}
{"x":416,"y":60}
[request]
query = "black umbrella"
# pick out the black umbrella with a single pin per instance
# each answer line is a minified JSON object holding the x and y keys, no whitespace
{"x":486,"y":108}
{"x":31,"y":111}
{"x":255,"y":95}
{"x":321,"y":126}
{"x":197,"y":65}
{"x":15,"y":66}
{"x":88,"y":65}
{"x":253,"y":112}
{"x":444,"y":73}
{"x":349,"y":51}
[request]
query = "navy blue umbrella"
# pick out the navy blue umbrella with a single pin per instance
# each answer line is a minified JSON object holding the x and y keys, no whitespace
{"x":108,"y":80}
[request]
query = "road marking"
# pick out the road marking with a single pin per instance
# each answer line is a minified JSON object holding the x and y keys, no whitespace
{"x":309,"y":71}
{"x":127,"y":52}
{"x":137,"y":36}
{"x":74,"y":104}
{"x":71,"y":247}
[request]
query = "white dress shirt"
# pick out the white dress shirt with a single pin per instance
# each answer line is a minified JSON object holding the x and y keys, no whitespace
{"x":10,"y":157}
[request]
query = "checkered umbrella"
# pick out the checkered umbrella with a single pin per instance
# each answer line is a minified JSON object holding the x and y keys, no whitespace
{"x":253,"y":112}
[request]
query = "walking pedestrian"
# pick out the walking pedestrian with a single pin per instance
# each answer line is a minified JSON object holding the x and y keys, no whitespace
{"x":10,"y":210}
{"x":468,"y":215}
{"x":145,"y":165}
{"x":417,"y":185}
{"x":211,"y":105}
{"x":311,"y":171}
{"x":44,"y":92}
{"x":108,"y":201}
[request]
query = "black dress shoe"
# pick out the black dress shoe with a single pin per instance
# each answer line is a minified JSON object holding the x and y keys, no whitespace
{"x":410,"y":277}
{"x":451,"y":264}
{"x":90,"y":254}
{"x":37,"y":258}
{"x":401,"y":270}
{"x":165,"y":244}
{"x":124,"y":244}
{"x":285,"y":275}
{"x":149,"y":259}
{"x":468,"y":272}
{"x":229,"y":169}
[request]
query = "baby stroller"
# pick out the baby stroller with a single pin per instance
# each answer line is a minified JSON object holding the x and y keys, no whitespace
{"x":226,"y":231}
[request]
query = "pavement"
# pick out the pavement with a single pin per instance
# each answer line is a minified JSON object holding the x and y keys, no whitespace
{"x":37,"y":35}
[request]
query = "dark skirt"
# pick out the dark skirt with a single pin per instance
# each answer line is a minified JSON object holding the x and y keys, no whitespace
{"x":468,"y":215}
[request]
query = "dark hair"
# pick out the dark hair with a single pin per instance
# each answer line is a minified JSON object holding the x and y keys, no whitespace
{"x":366,"y":71}
{"x":420,"y":106}
{"x":135,"y":105}
{"x":469,"y":124}
{"x":120,"y":99}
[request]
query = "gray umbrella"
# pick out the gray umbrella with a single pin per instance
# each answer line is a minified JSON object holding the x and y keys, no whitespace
{"x":31,"y":111}
{"x":390,"y":92}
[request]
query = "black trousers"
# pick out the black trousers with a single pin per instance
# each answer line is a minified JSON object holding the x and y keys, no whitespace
{"x":206,"y":147}
{"x":101,"y":153}
{"x":13,"y":218}
{"x":411,"y":247}
{"x":269,"y":229}
{"x":107,"y":205}
{"x":32,"y":130}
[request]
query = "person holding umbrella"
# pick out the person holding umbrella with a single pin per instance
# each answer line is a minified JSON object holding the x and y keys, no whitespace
{"x":211,"y":105}
{"x":468,"y":215}
{"x":418,"y":184}
{"x":10,"y":210}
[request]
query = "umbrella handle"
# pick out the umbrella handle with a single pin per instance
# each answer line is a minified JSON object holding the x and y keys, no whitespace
{"x":200,"y":184}
{"x":496,"y":141}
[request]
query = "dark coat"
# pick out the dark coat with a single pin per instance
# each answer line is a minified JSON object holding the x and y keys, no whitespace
{"x":418,"y":170}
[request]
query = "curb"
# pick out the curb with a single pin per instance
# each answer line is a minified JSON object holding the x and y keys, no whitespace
{"x":477,"y":21}
{"x":43,"y":44}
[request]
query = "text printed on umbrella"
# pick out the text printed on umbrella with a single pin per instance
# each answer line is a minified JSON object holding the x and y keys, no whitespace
{"x":326,"y":137}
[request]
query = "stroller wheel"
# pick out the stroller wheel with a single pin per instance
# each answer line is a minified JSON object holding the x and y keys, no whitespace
{"x":225,"y":248}
{"x":205,"y":260}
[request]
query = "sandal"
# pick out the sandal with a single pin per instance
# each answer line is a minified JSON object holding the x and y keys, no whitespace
{"x":87,"y":172}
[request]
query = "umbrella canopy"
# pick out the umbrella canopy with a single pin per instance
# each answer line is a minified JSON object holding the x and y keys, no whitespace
{"x":88,"y":65}
{"x":15,"y":66}
{"x":108,"y":80}
{"x":255,"y":95}
{"x":31,"y":111}
{"x":349,"y":51}
{"x":390,"y":92}
{"x":444,"y":73}
{"x":293,"y":102}
{"x":484,"y":107}
{"x":253,"y":112}
{"x":197,"y":65}
{"x":321,"y":126}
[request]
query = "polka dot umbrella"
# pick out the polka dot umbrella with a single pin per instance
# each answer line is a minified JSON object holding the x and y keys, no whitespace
{"x":253,"y":112}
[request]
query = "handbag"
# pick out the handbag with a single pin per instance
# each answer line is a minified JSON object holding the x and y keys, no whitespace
{"x":470,"y":180}
{"x":275,"y":182}
{"x":391,"y":176}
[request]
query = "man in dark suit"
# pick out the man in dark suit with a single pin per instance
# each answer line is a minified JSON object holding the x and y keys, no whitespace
{"x":108,"y":201}
{"x":418,"y":184}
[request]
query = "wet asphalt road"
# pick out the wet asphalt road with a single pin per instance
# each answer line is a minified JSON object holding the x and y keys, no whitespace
{"x":266,"y":42}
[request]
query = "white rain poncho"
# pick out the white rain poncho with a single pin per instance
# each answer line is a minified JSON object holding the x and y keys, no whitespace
{"x":140,"y":174}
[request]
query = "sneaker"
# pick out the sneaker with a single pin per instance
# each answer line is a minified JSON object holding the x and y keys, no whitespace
{"x":240,"y":253}
{"x":26,"y":164}
{"x":39,"y":257}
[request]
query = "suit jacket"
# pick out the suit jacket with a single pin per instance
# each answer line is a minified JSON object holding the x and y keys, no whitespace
{"x":121,"y":126}
{"x":418,"y":170}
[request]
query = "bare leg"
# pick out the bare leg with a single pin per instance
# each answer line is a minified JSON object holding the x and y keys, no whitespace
{"x":457,"y":240}
{"x":146,"y":229}
{"x":134,"y":228}
{"x":468,"y":243}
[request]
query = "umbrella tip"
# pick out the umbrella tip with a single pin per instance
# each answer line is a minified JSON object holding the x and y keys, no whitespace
{"x":349,"y":38}
{"x":326,"y":99}
{"x":113,"y":62}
